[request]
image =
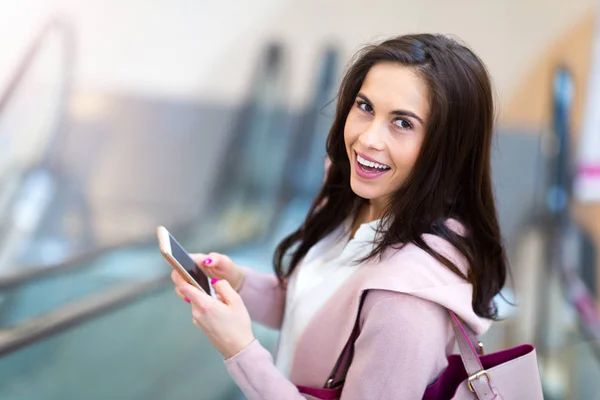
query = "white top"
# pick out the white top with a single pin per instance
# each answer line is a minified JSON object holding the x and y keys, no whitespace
{"x":322,"y":271}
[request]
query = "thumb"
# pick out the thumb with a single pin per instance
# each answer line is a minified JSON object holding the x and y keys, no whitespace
{"x":217,"y":259}
{"x":198,"y":258}
{"x":226,"y":292}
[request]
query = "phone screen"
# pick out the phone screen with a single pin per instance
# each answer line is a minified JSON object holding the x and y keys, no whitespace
{"x":188,"y":264}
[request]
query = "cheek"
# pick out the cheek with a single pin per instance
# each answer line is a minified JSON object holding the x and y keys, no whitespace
{"x":406,"y":152}
{"x":353,"y":128}
{"x":413,"y":154}
{"x":350,"y":132}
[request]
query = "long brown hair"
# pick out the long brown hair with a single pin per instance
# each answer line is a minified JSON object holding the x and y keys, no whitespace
{"x":450,"y":179}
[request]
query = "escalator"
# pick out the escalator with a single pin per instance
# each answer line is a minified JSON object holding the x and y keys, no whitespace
{"x":32,"y":117}
{"x":131,"y":264}
{"x":95,"y":328}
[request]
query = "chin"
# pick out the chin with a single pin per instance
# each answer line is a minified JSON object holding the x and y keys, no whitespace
{"x":362,"y":190}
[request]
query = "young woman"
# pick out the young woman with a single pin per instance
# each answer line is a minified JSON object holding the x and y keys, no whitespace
{"x":406,"y":216}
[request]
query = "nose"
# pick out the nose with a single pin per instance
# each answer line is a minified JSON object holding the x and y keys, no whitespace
{"x":373,"y":137}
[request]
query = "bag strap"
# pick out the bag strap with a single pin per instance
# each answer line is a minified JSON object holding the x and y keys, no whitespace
{"x":478,"y":380}
{"x":338,"y":373}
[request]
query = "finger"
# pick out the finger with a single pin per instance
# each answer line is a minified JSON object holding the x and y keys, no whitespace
{"x":179,"y":294}
{"x":198,"y":257}
{"x":226,"y":292}
{"x":177,"y":278}
{"x":200,"y":300}
{"x":204,"y":262}
{"x":179,"y":281}
{"x":214,"y":260}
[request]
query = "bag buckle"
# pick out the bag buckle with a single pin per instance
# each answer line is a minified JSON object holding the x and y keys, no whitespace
{"x":481,"y":348}
{"x":476,"y":376}
{"x":329,"y":383}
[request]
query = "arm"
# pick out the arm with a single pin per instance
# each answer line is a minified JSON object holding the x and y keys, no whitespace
{"x":263,"y":296}
{"x":401,"y":348}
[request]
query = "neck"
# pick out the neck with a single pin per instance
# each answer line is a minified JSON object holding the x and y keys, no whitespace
{"x":368,"y":212}
{"x":374,"y":210}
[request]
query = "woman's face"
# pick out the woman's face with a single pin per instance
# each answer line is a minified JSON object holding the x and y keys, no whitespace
{"x":385,"y":129}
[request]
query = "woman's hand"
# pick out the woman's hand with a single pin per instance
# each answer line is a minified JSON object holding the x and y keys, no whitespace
{"x":221,"y":267}
{"x":225,"y":321}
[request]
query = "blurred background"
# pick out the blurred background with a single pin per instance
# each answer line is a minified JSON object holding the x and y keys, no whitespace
{"x":210,"y":118}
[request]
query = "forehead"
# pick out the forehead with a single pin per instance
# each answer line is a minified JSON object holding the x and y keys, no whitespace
{"x":392,"y":86}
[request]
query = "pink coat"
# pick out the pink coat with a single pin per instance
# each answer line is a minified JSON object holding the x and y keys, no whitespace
{"x":405,"y":337}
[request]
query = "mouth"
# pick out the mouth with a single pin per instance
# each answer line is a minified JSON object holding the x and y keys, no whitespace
{"x":368,"y":168}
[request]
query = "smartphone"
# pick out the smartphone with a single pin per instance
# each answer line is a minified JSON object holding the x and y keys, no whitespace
{"x":181,"y":261}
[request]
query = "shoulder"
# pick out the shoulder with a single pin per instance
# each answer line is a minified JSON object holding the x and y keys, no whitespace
{"x":419,"y":269}
{"x":409,"y":267}
{"x":421,"y":282}
{"x":412,"y":271}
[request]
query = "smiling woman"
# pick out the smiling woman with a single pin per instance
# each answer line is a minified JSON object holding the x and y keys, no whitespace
{"x":403,"y":230}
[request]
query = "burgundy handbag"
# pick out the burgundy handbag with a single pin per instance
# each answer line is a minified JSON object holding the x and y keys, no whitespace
{"x":504,"y":375}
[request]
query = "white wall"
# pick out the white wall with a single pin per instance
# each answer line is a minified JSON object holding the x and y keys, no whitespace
{"x":188,"y":49}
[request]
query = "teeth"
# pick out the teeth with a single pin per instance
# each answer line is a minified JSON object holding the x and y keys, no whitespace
{"x":370,"y":163}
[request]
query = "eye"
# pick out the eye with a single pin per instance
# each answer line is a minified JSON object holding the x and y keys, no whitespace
{"x":402,"y":123}
{"x":364,"y":106}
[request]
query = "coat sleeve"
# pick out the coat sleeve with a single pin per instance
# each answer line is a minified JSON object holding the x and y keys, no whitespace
{"x":264,"y":297}
{"x":257,"y":377}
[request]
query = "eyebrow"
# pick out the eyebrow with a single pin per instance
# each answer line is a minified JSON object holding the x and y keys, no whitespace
{"x":400,"y":113}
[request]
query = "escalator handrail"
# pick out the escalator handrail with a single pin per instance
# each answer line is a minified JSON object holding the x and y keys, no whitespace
{"x":17,"y":277}
{"x":75,"y":313}
{"x":13,"y":278}
{"x":57,"y":23}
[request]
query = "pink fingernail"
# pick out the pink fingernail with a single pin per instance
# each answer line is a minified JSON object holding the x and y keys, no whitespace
{"x":213,"y":281}
{"x":208,"y":261}
{"x":187,"y":300}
